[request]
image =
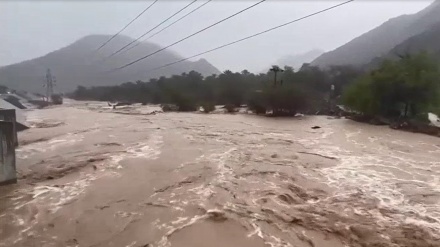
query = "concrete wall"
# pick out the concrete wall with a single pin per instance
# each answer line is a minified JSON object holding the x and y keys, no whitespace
{"x":8,"y":173}
{"x":8,"y":115}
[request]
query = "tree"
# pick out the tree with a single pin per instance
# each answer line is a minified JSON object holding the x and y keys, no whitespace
{"x":3,"y":89}
{"x":80,"y":93}
{"x":285,"y":100}
{"x":208,"y":107}
{"x":231,"y":88}
{"x":342,"y":76}
{"x":245,"y":72}
{"x":257,"y":102}
{"x":189,"y":90}
{"x":406,"y":87}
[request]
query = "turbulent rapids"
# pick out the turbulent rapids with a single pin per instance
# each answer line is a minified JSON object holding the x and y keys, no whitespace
{"x":95,"y":176}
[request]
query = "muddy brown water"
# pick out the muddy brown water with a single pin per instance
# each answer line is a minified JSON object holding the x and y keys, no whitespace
{"x":93,"y":176}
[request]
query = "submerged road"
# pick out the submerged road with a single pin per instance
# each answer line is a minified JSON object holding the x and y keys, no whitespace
{"x":93,"y":176}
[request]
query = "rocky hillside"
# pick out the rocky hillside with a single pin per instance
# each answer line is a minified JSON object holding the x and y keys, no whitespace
{"x":381,"y":40}
{"x":80,"y":64}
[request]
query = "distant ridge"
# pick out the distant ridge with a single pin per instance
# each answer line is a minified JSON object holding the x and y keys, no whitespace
{"x":79,"y":64}
{"x":381,"y":40}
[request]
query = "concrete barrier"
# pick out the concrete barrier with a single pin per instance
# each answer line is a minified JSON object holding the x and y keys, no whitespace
{"x":8,"y":115}
{"x":8,"y":172}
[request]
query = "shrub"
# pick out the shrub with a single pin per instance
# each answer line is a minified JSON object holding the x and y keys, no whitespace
{"x":256,"y":103}
{"x":285,"y":100}
{"x":168,"y":107}
{"x":230,"y":108}
{"x":183,"y":102}
{"x":208,"y":107}
{"x":406,"y":87}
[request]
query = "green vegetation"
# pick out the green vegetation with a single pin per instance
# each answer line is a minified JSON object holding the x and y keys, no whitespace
{"x":230,"y":108}
{"x":3,"y":89}
{"x":407,"y":88}
{"x":293,"y":91}
{"x":305,"y":89}
{"x":208,"y":107}
{"x":404,"y":88}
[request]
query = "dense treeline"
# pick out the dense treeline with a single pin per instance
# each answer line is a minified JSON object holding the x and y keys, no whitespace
{"x":408,"y":87}
{"x":306,"y":90}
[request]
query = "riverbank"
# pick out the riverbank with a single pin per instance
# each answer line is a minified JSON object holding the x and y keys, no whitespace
{"x":408,"y":125}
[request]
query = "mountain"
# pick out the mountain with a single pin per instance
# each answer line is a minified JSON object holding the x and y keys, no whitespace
{"x":296,"y":61}
{"x":428,"y":41}
{"x":80,"y":64}
{"x":381,"y":40}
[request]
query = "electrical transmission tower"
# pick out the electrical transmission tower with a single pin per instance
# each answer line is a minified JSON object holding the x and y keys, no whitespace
{"x":50,"y":82}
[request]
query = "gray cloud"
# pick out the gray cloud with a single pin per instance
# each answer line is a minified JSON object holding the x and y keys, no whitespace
{"x":33,"y":28}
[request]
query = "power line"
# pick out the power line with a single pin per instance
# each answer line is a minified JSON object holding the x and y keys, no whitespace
{"x":189,"y":36}
{"x":194,"y":10}
{"x":116,"y":34}
{"x":116,"y":52}
{"x":252,"y":36}
{"x":169,"y":25}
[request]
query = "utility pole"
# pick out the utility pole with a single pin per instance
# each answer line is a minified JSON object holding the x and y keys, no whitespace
{"x":331,"y":99}
{"x":50,"y":82}
{"x":276,"y":69}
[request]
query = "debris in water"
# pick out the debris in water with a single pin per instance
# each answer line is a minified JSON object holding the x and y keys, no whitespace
{"x":320,"y":155}
{"x":107,"y":144}
{"x":217,"y":215}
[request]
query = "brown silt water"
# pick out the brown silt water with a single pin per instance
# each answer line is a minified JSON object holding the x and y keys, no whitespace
{"x":93,"y":176}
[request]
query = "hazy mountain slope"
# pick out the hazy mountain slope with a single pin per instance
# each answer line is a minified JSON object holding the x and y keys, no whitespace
{"x":382,"y":39}
{"x":428,"y":41}
{"x":80,"y":64}
{"x":296,"y":61}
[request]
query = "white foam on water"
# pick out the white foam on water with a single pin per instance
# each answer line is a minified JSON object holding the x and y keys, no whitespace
{"x":435,"y":120}
{"x":326,"y":133}
{"x":257,"y":230}
{"x":172,"y":229}
{"x":26,"y":151}
{"x":143,"y":150}
{"x":268,"y":239}
{"x":179,"y":220}
{"x":349,"y":135}
{"x":151,"y":149}
{"x":202,"y":190}
{"x":223,"y":174}
{"x":376,"y":176}
{"x":48,"y":199}
{"x":132,"y":244}
{"x":56,"y":197}
{"x":377,"y":172}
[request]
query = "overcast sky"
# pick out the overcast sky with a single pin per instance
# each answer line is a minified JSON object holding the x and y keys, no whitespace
{"x":31,"y":29}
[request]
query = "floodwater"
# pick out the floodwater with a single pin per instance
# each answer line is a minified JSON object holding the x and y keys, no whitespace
{"x":93,"y":176}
